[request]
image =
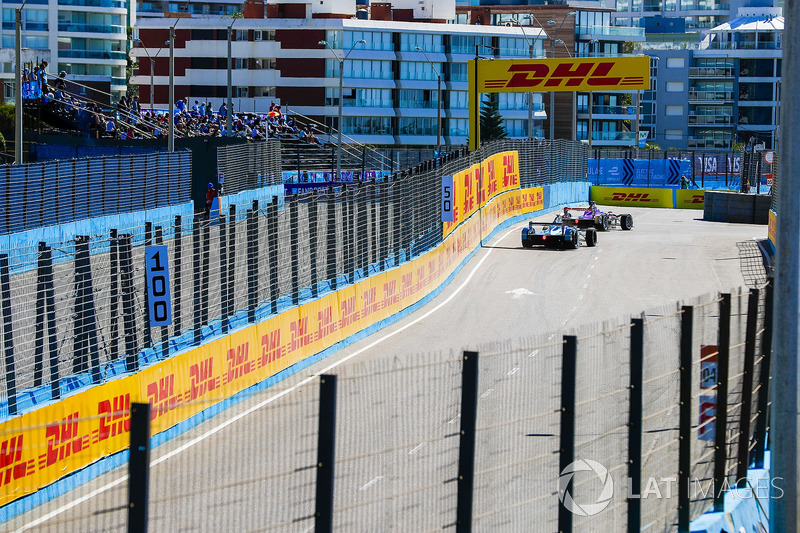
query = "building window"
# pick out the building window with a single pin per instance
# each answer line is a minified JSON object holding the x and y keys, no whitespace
{"x":674,"y":86}
{"x":673,"y":110}
{"x":674,"y":62}
{"x":673,"y":135}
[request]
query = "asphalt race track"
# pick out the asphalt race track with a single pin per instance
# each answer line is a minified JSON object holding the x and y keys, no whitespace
{"x":211,"y":478}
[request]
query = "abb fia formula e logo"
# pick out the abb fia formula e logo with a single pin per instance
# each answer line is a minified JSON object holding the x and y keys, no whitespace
{"x":574,"y":74}
{"x":632,"y":197}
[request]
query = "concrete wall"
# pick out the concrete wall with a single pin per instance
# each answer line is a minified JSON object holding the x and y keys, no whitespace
{"x":724,"y":206}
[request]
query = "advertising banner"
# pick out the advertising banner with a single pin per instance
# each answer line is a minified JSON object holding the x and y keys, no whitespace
{"x":632,"y":197}
{"x":690,"y":199}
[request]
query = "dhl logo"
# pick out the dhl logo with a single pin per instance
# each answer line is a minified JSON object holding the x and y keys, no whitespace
{"x":631,"y":197}
{"x":573,"y":74}
{"x":696,"y":199}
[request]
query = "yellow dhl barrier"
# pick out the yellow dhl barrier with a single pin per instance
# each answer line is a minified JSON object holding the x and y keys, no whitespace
{"x":772,"y":226}
{"x":498,"y":173}
{"x":632,"y":197}
{"x":690,"y":199}
{"x":39,"y":447}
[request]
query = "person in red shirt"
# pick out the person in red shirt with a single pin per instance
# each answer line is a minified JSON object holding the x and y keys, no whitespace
{"x":211,"y":193}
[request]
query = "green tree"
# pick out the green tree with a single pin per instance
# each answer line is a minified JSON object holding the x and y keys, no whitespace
{"x":492,"y":127}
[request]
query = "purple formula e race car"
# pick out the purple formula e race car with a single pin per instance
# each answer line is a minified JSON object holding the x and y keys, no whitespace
{"x":592,"y":217}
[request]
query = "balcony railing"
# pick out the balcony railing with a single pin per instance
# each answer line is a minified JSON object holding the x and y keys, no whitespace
{"x":704,"y":6}
{"x":622,"y":31}
{"x":710,"y":120}
{"x":92,"y":28}
{"x":711,"y":96}
{"x":607,"y":110}
{"x":94,"y":3}
{"x":360,"y":102}
{"x":711,"y":72}
{"x":91,"y":54}
{"x":702,"y":142}
{"x":118,"y":81}
{"x":746,"y":45}
{"x":417,"y":104}
{"x":627,"y":136}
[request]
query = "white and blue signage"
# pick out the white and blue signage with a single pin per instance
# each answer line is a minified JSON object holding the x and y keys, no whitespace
{"x":447,"y":198}
{"x":158,"y":293}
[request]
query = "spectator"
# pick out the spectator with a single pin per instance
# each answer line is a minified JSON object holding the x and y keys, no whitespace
{"x":211,"y":193}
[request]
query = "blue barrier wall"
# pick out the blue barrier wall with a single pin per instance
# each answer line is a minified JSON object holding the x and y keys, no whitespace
{"x":639,"y":172}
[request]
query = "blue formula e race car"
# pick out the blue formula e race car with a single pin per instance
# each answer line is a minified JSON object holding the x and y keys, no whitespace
{"x":592,"y":217}
{"x":561,"y":233}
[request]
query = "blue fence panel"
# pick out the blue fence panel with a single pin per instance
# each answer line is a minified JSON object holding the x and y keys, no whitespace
{"x":34,"y":197}
{"x":96,"y":176}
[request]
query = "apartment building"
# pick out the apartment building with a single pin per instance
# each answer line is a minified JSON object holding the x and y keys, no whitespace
{"x":390,"y":84}
{"x":721,"y":89}
{"x":85,"y":38}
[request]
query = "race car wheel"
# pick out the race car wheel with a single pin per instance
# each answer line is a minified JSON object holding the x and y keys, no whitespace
{"x":575,"y":239}
{"x":591,"y":237}
{"x":626,"y":222}
{"x":603,"y":224}
{"x":526,"y":243}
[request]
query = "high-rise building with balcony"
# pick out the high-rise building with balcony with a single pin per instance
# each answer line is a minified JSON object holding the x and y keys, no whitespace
{"x":390,"y":93}
{"x":720,"y":88}
{"x":85,"y":38}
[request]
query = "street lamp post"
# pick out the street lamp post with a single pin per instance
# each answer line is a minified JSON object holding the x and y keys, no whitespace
{"x":341,"y":89}
{"x":530,"y":94}
{"x":590,"y":133}
{"x":18,"y":92}
{"x":438,"y":101}
{"x":170,"y":114}
{"x":553,"y":43}
{"x":152,"y":71}
{"x":229,"y":103}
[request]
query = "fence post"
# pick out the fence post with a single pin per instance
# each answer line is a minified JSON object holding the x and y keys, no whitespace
{"x":721,"y":422}
{"x":113,"y":294}
{"x":228,"y":305}
{"x":177,"y":282}
{"x":148,"y":334}
{"x":635,"y":427}
{"x":349,"y":231}
{"x":466,"y":447}
{"x":205,"y":269}
{"x":685,"y":419}
{"x":128,"y":309}
{"x":49,"y":316}
{"x":743,"y":457}
{"x":38,"y":344}
{"x":764,"y":380}
{"x":8,"y":334}
{"x":197,"y":300}
{"x":252,"y":262}
{"x":294,"y":238}
{"x":272,"y":233}
{"x":88,"y":351}
{"x":326,"y":453}
{"x":567,"y":438}
{"x":330,"y":265}
{"x":223,"y":274}
{"x":371,"y":224}
{"x":313,"y":204}
{"x":362,"y":231}
{"x":383,"y":225}
{"x":139,"y":468}
{"x":397,"y":218}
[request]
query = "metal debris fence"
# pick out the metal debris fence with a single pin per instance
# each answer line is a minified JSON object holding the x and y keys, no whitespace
{"x":76,"y":310}
{"x":57,"y":192}
{"x":477,"y":439}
